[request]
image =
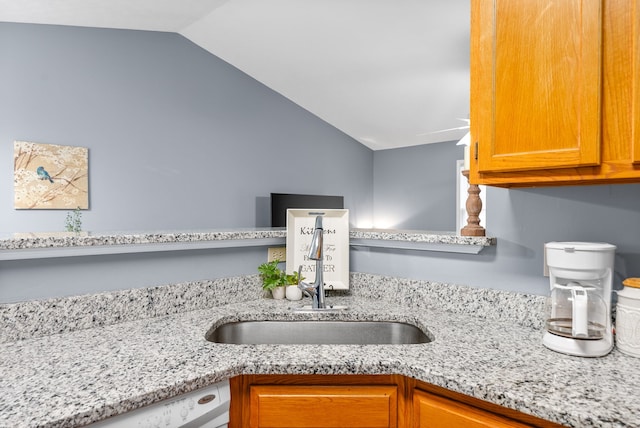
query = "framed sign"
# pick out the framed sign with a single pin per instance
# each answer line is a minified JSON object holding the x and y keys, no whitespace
{"x":335,"y":251}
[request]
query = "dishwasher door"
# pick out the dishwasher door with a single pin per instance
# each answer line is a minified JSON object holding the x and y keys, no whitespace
{"x":207,"y":407}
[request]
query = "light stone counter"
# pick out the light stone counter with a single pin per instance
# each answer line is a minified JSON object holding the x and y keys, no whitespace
{"x":487,"y":345}
{"x":23,"y":241}
{"x":64,"y":244}
{"x":21,"y":246}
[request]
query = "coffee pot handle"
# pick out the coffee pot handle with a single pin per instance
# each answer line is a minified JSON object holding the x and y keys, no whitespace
{"x":580,"y":324}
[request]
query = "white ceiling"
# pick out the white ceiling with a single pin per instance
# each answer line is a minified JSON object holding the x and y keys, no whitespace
{"x":386,"y":72}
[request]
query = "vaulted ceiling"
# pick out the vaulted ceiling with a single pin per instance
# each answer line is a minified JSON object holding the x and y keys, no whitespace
{"x":386,"y":72}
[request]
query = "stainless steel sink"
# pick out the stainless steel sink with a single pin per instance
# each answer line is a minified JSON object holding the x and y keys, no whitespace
{"x":318,"y":332}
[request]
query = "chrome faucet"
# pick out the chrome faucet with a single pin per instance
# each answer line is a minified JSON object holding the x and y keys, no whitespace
{"x":315,"y":290}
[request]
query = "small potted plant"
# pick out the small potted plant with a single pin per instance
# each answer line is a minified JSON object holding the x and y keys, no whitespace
{"x":275,"y":280}
{"x":291,"y":288}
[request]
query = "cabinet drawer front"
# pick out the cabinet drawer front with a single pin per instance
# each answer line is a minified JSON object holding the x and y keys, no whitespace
{"x":284,"y":406}
{"x":537,"y":92}
{"x":432,"y":411}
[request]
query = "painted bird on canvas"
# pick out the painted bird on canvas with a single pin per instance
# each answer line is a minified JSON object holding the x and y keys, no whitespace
{"x":43,"y":174}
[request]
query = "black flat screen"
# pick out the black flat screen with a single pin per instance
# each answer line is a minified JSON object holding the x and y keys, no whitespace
{"x":280,"y":202}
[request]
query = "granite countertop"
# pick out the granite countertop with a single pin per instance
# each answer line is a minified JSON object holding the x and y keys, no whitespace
{"x":424,"y":236}
{"x":487,"y":345}
{"x":22,"y":241}
{"x":42,"y":240}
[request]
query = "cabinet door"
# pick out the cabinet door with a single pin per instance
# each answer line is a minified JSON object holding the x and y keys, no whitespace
{"x":432,"y":411}
{"x":636,"y":84}
{"x":536,"y":83}
{"x":320,"y":406}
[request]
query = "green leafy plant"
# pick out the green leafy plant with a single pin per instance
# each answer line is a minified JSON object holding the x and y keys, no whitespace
{"x":73,"y":222}
{"x":272,"y":276}
{"x":292,"y":279}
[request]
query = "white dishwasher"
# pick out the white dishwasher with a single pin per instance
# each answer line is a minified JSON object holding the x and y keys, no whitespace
{"x":207,"y":407}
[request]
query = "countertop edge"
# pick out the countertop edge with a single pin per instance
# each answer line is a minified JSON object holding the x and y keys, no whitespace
{"x":69,"y":244}
{"x":57,"y":240}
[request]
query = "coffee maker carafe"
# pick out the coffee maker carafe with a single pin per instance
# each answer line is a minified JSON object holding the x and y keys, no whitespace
{"x":579,"y":311}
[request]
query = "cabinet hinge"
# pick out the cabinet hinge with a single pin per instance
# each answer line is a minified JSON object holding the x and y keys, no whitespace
{"x":475,"y":154}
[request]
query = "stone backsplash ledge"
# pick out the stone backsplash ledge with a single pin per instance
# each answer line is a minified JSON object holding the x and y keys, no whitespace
{"x":24,"y":320}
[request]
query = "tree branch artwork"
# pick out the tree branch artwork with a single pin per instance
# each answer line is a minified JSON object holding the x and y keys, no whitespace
{"x":49,"y":176}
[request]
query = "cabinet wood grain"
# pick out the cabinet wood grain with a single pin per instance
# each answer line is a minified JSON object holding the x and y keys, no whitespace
{"x":635,"y":138}
{"x":433,"y":411}
{"x":555,"y":92}
{"x":278,"y":401}
{"x":541,"y":84}
{"x":363,"y":401}
{"x":324,"y":406}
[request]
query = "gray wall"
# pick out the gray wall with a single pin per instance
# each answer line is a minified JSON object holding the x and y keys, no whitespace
{"x":177,"y":138}
{"x":57,"y":277}
{"x":415,"y":187}
{"x":522,"y":220}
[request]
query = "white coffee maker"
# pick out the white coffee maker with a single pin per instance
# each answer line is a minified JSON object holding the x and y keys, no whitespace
{"x":579,"y":310}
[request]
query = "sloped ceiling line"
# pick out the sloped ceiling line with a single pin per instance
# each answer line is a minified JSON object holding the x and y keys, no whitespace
{"x":385,"y":72}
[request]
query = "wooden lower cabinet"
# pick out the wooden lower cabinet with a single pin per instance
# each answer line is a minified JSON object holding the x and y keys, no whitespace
{"x":316,"y":401}
{"x":324,"y":406}
{"x":433,"y":411}
{"x":361,"y":401}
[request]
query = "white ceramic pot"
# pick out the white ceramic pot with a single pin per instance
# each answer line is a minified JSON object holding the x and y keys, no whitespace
{"x":293,"y":292}
{"x":278,"y":293}
{"x":628,"y":318}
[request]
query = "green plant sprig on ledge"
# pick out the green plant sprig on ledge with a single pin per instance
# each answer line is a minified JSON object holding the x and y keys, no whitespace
{"x":73,"y":223}
{"x":272,"y":276}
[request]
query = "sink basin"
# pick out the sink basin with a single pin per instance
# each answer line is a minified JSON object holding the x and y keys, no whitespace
{"x":318,"y":332}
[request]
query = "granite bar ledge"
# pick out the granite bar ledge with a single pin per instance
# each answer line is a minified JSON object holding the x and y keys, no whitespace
{"x":68,"y":244}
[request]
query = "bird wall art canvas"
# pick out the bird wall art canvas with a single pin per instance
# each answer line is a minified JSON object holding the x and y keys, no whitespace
{"x":49,"y":176}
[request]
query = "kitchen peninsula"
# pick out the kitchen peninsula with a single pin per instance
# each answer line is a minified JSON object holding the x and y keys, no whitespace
{"x":113,"y":352}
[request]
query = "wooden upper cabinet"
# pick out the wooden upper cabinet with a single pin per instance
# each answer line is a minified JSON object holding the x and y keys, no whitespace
{"x":555,"y":92}
{"x":540,"y":86}
{"x":636,"y":84}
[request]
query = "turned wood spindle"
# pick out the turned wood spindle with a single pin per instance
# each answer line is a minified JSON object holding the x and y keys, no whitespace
{"x":474,"y":207}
